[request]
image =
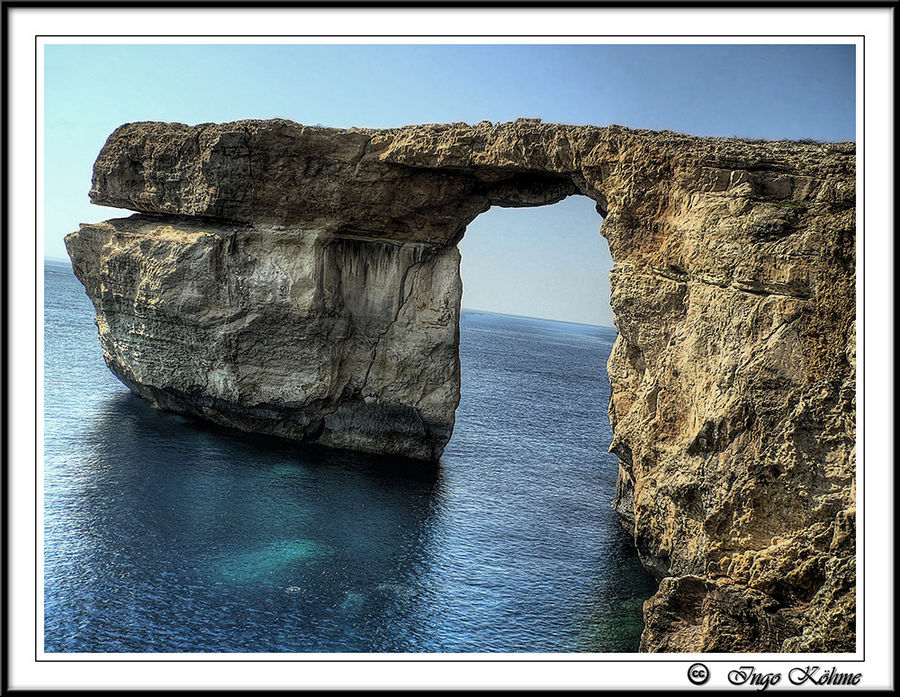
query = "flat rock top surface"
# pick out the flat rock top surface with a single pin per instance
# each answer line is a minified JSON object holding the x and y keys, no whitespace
{"x":385,"y":182}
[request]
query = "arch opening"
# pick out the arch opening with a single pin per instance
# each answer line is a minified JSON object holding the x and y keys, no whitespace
{"x":510,"y":257}
{"x":532,"y":431}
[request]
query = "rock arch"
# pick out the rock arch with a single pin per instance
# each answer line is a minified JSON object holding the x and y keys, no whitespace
{"x":305,"y":282}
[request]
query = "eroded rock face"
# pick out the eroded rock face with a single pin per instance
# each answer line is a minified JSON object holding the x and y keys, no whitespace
{"x":305,"y":282}
{"x":350,"y":343}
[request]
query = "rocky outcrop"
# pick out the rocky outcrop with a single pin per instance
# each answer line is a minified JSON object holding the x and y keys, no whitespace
{"x":349,"y":343}
{"x":304,"y":282}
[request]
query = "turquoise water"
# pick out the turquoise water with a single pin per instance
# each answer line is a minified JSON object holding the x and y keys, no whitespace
{"x":163,"y":534}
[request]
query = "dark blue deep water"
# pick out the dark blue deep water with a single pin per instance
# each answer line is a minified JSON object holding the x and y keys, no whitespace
{"x":162,"y":534}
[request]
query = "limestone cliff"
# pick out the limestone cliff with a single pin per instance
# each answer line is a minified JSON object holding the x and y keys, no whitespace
{"x":305,"y":282}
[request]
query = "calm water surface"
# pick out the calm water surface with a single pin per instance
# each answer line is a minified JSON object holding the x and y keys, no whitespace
{"x":165,"y":534}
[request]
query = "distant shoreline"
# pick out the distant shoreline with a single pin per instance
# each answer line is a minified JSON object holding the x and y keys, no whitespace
{"x":541,"y":319}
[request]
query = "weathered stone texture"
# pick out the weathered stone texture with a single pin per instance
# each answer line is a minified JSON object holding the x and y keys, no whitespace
{"x":305,"y":282}
{"x":279,"y":332}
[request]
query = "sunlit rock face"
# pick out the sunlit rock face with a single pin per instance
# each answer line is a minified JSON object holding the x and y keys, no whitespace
{"x":349,"y":343}
{"x":305,"y":282}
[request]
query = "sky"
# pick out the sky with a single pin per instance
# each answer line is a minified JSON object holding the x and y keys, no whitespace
{"x":547,"y":262}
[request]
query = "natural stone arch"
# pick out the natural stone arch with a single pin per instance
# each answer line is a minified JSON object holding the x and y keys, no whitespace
{"x":305,"y":282}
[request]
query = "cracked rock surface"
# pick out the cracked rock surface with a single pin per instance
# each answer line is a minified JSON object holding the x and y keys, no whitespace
{"x":305,"y":282}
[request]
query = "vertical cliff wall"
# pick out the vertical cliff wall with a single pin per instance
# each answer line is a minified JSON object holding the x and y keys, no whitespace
{"x":305,"y":282}
{"x":297,"y":335}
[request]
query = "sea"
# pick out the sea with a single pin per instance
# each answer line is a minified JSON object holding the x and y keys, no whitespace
{"x":165,"y":534}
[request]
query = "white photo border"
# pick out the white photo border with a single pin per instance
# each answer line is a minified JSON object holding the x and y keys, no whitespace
{"x":31,"y":27}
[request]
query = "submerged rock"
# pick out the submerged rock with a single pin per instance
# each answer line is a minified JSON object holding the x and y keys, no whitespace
{"x":304,"y":282}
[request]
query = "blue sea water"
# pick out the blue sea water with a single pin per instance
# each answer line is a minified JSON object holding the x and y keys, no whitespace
{"x":164,"y":534}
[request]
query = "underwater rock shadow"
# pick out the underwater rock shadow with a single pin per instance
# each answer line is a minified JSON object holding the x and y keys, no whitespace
{"x":166,"y":507}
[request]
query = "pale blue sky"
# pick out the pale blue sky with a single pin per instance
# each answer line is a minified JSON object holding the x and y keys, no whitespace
{"x":544,"y":262}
